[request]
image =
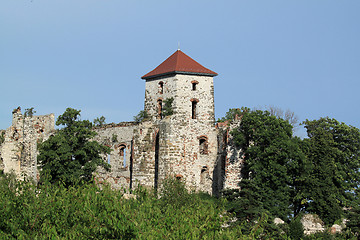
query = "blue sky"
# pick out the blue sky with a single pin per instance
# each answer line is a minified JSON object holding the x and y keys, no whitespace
{"x":90,"y":54}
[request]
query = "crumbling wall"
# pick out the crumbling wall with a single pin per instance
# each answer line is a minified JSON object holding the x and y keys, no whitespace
{"x":312,"y":224}
{"x":145,"y":164}
{"x":119,"y":137}
{"x":230,"y":157}
{"x":19,"y":150}
{"x":2,"y":136}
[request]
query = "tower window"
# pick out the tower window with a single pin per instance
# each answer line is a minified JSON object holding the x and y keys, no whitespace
{"x":203,"y":145}
{"x":193,"y":86}
{"x":194,"y":83}
{"x":161,"y":87}
{"x":193,"y":108}
{"x":159,"y":102}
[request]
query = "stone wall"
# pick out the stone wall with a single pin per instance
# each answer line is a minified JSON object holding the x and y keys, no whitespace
{"x":19,"y":150}
{"x":232,"y":155}
{"x":119,"y":138}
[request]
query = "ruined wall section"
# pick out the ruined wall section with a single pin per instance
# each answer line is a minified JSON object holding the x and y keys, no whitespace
{"x":230,"y":156}
{"x":2,"y":139}
{"x":219,"y":168}
{"x":145,"y":168}
{"x":119,"y":138}
{"x":19,"y":150}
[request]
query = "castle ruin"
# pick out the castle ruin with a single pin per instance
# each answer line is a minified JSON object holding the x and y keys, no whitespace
{"x":187,"y":144}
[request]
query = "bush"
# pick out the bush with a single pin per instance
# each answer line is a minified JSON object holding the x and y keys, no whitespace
{"x":142,"y":116}
{"x":296,"y":229}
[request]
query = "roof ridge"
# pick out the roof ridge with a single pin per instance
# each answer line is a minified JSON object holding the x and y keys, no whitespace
{"x":179,"y":62}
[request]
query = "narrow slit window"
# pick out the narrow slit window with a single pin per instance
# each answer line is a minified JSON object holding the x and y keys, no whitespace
{"x":161,"y":87}
{"x":159,"y":109}
{"x":193,"y":109}
{"x":108,"y":158}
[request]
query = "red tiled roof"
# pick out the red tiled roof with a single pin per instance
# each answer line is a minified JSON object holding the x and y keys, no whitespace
{"x":179,"y":62}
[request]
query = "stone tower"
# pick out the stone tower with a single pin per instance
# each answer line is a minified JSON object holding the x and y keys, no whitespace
{"x":186,"y":142}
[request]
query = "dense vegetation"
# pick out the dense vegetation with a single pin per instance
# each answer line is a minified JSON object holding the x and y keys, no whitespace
{"x":287,"y":176}
{"x":53,"y":211}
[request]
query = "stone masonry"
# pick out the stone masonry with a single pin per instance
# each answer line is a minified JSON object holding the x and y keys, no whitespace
{"x":186,"y":145}
{"x":19,"y":150}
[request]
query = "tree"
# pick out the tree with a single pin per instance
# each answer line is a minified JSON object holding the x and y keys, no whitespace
{"x":287,"y":115}
{"x":70,"y":156}
{"x":270,"y":156}
{"x":99,"y":121}
{"x":333,"y":149}
{"x":142,"y":116}
{"x":233,"y":114}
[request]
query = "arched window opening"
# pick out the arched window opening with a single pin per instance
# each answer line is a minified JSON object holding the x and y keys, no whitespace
{"x":203,"y":145}
{"x":159,"y":102}
{"x":161,"y":87}
{"x":204,"y":174}
{"x":122,"y":153}
{"x":178,"y":177}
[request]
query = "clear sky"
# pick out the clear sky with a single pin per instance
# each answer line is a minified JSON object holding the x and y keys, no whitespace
{"x":90,"y":54}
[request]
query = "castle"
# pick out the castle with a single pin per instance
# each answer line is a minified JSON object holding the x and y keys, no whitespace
{"x":186,"y":144}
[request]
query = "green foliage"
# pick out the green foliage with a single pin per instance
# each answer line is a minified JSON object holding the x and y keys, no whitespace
{"x":29,"y":112}
{"x":246,"y":204}
{"x":167,"y":109}
{"x":99,"y":121}
{"x":114,"y":137}
{"x":353,"y":216}
{"x":69,"y":156}
{"x":142,"y":116}
{"x":174,"y":192}
{"x":333,"y":149}
{"x":270,"y":156}
{"x":87,"y":212}
{"x":285,"y":175}
{"x":296,"y":229}
{"x":234,"y":113}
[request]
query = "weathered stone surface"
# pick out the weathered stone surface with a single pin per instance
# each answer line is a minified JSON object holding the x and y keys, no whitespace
{"x":19,"y":150}
{"x":278,"y":221}
{"x":312,"y":224}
